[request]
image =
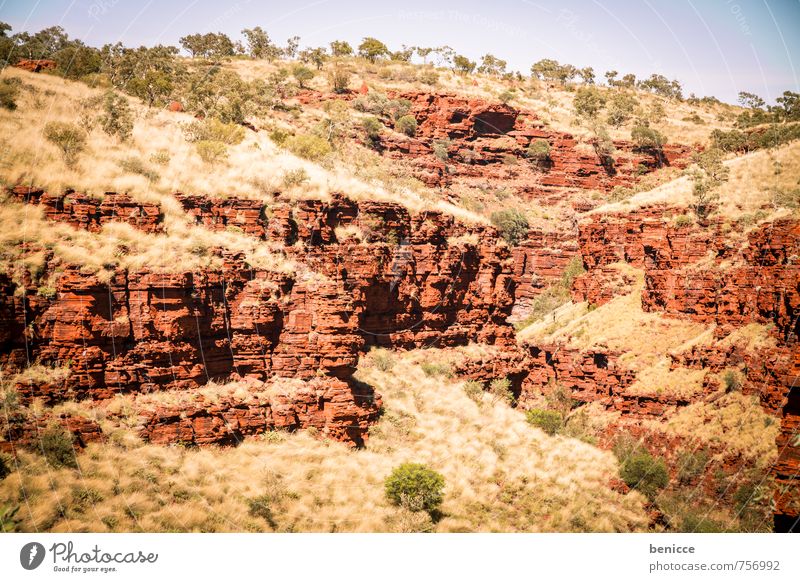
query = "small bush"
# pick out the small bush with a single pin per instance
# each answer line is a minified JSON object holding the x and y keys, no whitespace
{"x":279,"y":136}
{"x":212,"y":129}
{"x":429,"y":77}
{"x":261,"y":506}
{"x":212,"y":152}
{"x":406,"y":125}
{"x":691,"y":465}
{"x":473,"y":390}
{"x":161,"y":157}
{"x":8,"y":94}
{"x":646,"y":137}
{"x":68,"y":138}
{"x":732,"y":379}
{"x":56,"y":444}
{"x":500,"y":389}
{"x":415,"y":487}
{"x":538,"y":150}
{"x":372,"y":128}
{"x":645,"y":473}
{"x":293,"y":178}
{"x":441,"y":149}
{"x":550,"y":421}
{"x":436,"y":369}
{"x":382,"y":359}
{"x":116,"y":118}
{"x":339,"y":78}
{"x":302,"y":74}
{"x":512,"y":225}
{"x":683,"y":221}
{"x":135,"y":165}
{"x":789,"y":198}
{"x":308,"y":146}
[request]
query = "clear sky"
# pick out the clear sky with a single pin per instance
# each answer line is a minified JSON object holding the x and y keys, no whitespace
{"x":715,"y":47}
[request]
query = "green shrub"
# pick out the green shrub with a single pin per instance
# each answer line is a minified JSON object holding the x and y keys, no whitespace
{"x":308,"y":146}
{"x":339,"y":78}
{"x":437,"y":369}
{"x":790,"y":198}
{"x":733,"y":380}
{"x":67,"y":137}
{"x":56,"y":444}
{"x":620,"y":108}
{"x":296,"y":177}
{"x":261,"y":506}
{"x":212,"y":152}
{"x":116,"y":118}
{"x":500,"y":389}
{"x":429,"y":77}
{"x":511,"y":224}
{"x":212,"y":129}
{"x":372,"y":128}
{"x":647,"y":137}
{"x":538,"y":150}
{"x":572,"y":271}
{"x":415,"y":487}
{"x":683,"y":221}
{"x":135,"y":165}
{"x":441,"y":149}
{"x":8,"y":94}
{"x":691,"y":465}
{"x":588,"y":102}
{"x":473,"y":390}
{"x":407,"y":124}
{"x":645,"y":473}
{"x":302,"y":74}
{"x":279,"y":136}
{"x":550,"y":421}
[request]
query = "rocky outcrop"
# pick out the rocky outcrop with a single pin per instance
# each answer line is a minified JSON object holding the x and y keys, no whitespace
{"x":402,"y":280}
{"x":539,"y":262}
{"x":486,"y":142}
{"x":703,"y":272}
{"x":91,"y":213}
{"x":36,"y":65}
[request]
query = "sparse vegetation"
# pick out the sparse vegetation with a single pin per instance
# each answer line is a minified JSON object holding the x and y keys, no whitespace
{"x":56,"y":444}
{"x":415,"y":487}
{"x":68,"y":138}
{"x":511,"y":224}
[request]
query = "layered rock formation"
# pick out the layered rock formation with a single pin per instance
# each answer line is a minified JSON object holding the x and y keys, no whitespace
{"x":486,"y":142}
{"x":411,"y":282}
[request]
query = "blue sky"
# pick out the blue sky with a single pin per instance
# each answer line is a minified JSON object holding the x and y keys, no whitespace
{"x":715,"y":47}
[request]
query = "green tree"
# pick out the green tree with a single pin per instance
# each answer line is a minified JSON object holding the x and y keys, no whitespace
{"x":341,"y":48}
{"x":553,"y":71}
{"x":339,"y":78}
{"x":647,"y":137}
{"x":491,"y":65}
{"x":116,"y":118}
{"x":316,"y":56}
{"x":588,"y":102}
{"x":68,"y":138}
{"x":372,"y":49}
{"x":302,"y":74}
{"x":620,"y":108}
{"x":415,"y":487}
{"x":587,"y":75}
{"x":707,"y":175}
{"x":76,"y":61}
{"x":463,"y":65}
{"x":751,"y":100}
{"x":643,"y":472}
{"x":511,"y":224}
{"x":259,"y":45}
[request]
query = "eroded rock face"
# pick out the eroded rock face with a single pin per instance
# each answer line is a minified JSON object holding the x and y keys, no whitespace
{"x":91,"y":213}
{"x":487,"y":142}
{"x":703,"y":272}
{"x":411,"y":282}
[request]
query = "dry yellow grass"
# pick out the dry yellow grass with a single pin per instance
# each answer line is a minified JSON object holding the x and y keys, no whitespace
{"x":501,"y":473}
{"x":754,"y":177}
{"x":736,"y":422}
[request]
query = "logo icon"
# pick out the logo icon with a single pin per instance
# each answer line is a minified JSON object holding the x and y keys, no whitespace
{"x":31,"y":555}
